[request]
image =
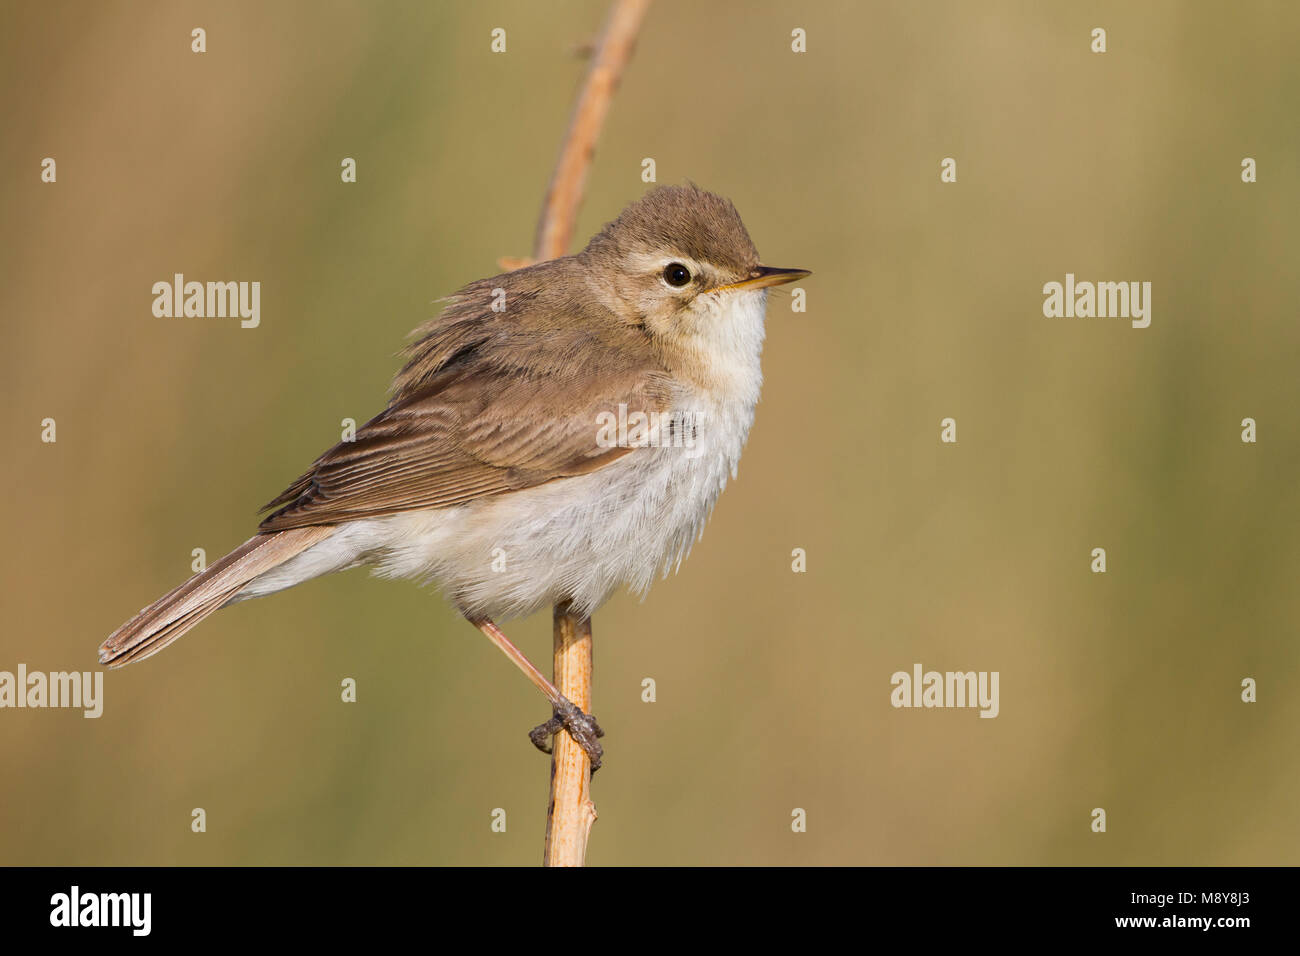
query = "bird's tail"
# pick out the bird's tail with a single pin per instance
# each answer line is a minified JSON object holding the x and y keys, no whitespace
{"x":179,"y":610}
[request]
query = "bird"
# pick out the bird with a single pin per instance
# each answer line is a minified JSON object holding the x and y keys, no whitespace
{"x":556,"y":433}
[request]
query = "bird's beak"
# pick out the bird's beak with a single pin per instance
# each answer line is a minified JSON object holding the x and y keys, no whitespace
{"x":764,"y":276}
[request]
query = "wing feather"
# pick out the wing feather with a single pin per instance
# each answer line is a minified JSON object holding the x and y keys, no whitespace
{"x":485,"y":406}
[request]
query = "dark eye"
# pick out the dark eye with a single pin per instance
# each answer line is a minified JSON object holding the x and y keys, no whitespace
{"x":676,"y":274}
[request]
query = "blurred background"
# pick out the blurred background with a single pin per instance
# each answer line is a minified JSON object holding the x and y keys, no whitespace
{"x":1118,"y":690}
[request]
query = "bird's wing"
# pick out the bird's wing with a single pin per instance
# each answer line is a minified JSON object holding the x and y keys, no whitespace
{"x":475,"y":428}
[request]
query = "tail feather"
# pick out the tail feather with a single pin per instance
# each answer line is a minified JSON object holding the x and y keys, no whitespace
{"x":180,"y":609}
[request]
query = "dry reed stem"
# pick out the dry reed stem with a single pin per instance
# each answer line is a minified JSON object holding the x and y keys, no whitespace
{"x":570,"y":812}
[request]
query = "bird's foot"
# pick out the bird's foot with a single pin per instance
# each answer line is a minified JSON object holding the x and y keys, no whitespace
{"x":581,"y":727}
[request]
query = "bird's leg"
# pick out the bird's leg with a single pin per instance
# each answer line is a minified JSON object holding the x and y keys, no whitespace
{"x":565,"y":716}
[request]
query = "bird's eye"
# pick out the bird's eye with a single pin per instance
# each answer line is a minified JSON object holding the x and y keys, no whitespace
{"x":676,"y":274}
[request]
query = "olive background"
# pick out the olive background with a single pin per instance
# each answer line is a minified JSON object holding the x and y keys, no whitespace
{"x":1118,"y":690}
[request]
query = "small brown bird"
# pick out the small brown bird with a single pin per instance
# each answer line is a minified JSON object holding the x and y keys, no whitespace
{"x":556,"y":433}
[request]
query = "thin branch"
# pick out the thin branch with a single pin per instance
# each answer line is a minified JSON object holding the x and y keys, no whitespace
{"x":571,"y":813}
{"x":560,"y":211}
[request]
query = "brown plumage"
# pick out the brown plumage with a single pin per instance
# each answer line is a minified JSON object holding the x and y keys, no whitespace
{"x":502,"y":393}
{"x":180,"y":609}
{"x":463,"y":420}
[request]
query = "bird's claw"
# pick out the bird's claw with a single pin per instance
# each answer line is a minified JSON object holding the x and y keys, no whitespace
{"x":581,"y":727}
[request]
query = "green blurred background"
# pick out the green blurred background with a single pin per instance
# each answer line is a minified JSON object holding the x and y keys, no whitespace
{"x":1118,"y":690}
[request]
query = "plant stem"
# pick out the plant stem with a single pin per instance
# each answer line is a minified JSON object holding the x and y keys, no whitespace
{"x":570,"y":812}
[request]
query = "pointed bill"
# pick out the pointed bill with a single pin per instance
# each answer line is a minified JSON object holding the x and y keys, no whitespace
{"x":764,"y":276}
